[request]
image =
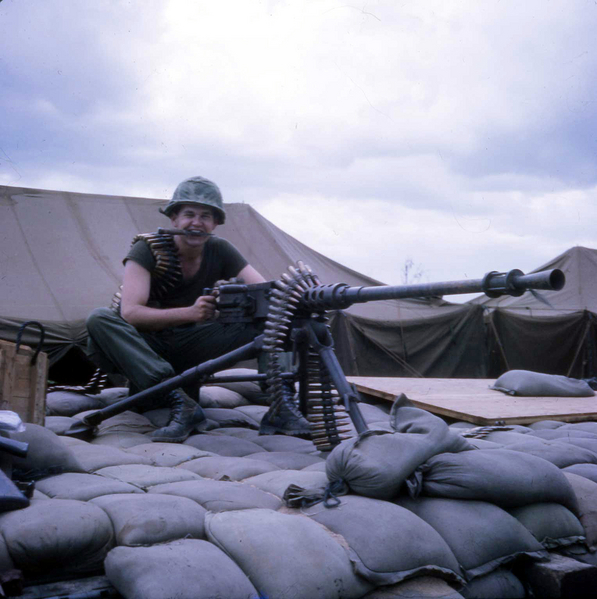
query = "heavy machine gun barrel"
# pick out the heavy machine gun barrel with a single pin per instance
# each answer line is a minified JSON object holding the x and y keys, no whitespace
{"x":339,"y":295}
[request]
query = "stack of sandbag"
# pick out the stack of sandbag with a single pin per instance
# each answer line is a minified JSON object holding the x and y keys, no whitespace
{"x":378,"y":463}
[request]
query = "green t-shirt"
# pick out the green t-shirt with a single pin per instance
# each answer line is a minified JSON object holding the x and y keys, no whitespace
{"x":221,"y":260}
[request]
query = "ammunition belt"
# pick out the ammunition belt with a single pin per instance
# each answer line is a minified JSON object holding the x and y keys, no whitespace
{"x":167,"y":272}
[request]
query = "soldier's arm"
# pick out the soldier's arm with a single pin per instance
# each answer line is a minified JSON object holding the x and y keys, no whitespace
{"x":250,"y":276}
{"x":134,"y":308}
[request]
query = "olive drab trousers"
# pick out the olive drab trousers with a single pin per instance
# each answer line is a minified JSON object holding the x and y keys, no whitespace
{"x":146,"y":358}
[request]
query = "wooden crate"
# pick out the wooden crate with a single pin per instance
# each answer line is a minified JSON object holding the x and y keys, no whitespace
{"x":22,"y":386}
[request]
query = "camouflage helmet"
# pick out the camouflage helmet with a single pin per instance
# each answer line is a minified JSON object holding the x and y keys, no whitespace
{"x":197,"y":190}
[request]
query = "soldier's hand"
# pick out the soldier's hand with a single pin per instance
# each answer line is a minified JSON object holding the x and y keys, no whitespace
{"x":205,"y":308}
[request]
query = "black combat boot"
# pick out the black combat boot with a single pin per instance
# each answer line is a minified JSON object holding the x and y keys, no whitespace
{"x":285,"y":419}
{"x":185,"y":415}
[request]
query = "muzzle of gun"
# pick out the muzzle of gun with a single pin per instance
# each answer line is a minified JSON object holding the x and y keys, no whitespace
{"x":162,"y":231}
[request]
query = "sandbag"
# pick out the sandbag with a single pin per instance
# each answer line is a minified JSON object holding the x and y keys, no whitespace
{"x":388,"y":543}
{"x":57,"y":535}
{"x":47,"y":454}
{"x":6,"y":562}
{"x":551,"y":524}
{"x":225,"y":468}
{"x":219,"y":397}
{"x":499,"y":584}
{"x":96,"y":457}
{"x":223,"y":445}
{"x":586,"y":495}
{"x":219,"y":496}
{"x":126,"y":422}
{"x":278,"y":481}
{"x":112,"y":395}
{"x":69,"y":403}
{"x":250,"y":434}
{"x":587,"y":470}
{"x":250,"y":390}
{"x":58,"y":424}
{"x":120,"y":440}
{"x":287,"y":460}
{"x":83,"y":487}
{"x":562,"y":434}
{"x":376,"y":464}
{"x":482,"y":536}
{"x":500,"y":476}
{"x":147,"y":476}
{"x":546,"y":425}
{"x":536,"y":384}
{"x":185,"y":569}
{"x":168,"y":454}
{"x":285,"y":443}
{"x":226,"y":417}
{"x":254,"y":412}
{"x":560,"y":454}
{"x":151,"y":518}
{"x":285,"y":556}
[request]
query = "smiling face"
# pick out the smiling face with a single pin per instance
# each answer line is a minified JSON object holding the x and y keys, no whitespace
{"x":192,"y":217}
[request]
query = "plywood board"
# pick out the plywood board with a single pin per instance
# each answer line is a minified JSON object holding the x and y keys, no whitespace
{"x":473,"y":401}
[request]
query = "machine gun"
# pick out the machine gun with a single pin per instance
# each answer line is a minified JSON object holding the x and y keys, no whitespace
{"x":293,"y":312}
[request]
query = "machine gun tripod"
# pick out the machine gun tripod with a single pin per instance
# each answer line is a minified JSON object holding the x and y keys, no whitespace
{"x":293,"y":310}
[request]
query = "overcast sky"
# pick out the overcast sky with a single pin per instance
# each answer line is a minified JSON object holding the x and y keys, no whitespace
{"x":461,"y":135}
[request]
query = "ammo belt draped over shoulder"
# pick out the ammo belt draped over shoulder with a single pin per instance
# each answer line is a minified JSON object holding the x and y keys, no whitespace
{"x":166,"y":274}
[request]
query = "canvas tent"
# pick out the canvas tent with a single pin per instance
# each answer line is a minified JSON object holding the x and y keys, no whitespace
{"x":528,"y":334}
{"x":61,"y":256}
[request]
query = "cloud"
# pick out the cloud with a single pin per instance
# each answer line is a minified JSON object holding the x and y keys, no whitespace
{"x":459,"y":134}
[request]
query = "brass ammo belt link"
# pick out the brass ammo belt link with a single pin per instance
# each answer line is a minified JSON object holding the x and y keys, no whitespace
{"x":167,"y":272}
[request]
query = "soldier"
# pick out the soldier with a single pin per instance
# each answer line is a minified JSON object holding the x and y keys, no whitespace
{"x":164,"y":323}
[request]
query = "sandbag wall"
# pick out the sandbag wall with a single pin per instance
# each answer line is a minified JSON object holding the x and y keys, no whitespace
{"x":414,"y":501}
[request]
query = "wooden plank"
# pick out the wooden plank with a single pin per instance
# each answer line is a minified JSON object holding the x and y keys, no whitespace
{"x":473,"y":401}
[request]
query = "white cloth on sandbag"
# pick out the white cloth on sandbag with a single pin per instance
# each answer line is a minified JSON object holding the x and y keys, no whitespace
{"x":551,"y":524}
{"x":57,"y":535}
{"x":481,"y":535}
{"x":226,"y":468}
{"x":147,"y":476}
{"x":220,"y":496}
{"x":151,"y":518}
{"x":527,"y":383}
{"x":83,"y":487}
{"x":506,"y":478}
{"x":388,"y":543}
{"x":286,"y":556}
{"x":185,"y":569}
{"x":376,"y":463}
